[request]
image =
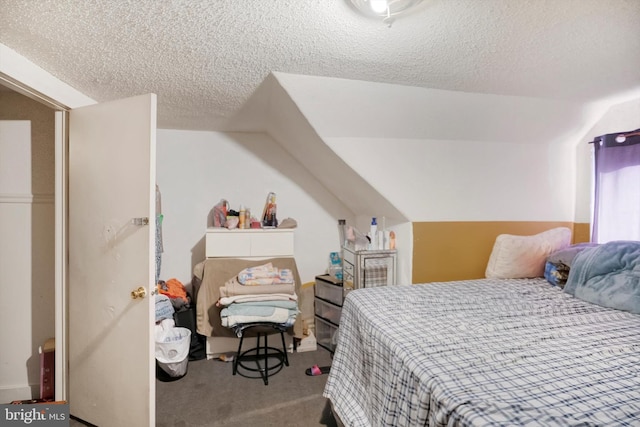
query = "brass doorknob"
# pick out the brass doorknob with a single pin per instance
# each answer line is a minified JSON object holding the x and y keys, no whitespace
{"x":141,"y":292}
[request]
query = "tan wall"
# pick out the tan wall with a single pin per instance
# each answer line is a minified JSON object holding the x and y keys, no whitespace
{"x":27,"y":228}
{"x":444,"y":251}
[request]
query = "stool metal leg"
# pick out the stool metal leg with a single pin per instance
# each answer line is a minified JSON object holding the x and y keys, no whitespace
{"x":261,"y":356}
{"x":265,"y":369}
{"x":237,"y":358}
{"x":284,"y":349}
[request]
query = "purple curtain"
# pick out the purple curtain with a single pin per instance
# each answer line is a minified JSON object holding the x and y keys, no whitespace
{"x":617,"y":187}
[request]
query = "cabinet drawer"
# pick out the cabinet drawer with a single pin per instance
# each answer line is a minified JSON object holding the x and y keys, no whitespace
{"x":332,"y":292}
{"x":348,"y":268}
{"x":349,"y":256}
{"x":220,"y":242}
{"x":328,"y":311}
{"x":227,"y":244}
{"x":326,"y":334}
{"x":272,"y":244}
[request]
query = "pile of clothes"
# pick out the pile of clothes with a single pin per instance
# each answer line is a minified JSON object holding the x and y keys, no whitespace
{"x":174,"y":308}
{"x":172,"y":297}
{"x":261,"y":294}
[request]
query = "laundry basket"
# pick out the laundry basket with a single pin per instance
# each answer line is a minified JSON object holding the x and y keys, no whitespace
{"x":172,"y":350}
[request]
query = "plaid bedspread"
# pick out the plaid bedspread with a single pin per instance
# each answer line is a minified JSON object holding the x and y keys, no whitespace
{"x":484,"y":353}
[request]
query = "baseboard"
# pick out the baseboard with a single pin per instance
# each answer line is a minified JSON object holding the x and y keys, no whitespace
{"x":220,"y":345}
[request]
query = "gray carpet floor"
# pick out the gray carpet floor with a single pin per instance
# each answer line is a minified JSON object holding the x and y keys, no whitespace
{"x":210,"y":395}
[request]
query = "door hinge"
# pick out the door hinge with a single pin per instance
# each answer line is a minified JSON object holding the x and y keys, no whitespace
{"x":140,"y":221}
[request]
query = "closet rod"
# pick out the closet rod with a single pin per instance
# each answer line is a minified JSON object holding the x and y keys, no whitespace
{"x":636,"y":133}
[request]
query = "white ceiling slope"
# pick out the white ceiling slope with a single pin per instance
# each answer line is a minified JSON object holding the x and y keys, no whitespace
{"x":204,"y":59}
{"x":291,"y":128}
{"x":271,"y":109}
{"x":348,"y":108}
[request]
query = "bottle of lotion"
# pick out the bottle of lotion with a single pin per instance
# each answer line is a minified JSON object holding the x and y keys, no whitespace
{"x":373,"y":234}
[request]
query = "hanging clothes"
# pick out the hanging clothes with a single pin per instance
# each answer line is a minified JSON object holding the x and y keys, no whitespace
{"x":159,"y":244}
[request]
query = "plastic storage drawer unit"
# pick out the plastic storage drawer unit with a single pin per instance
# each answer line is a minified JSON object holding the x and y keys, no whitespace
{"x":326,"y":334}
{"x":329,"y":296}
{"x":329,"y":289}
{"x":328,"y":311}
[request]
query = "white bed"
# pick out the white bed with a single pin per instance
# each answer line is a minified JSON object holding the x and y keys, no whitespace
{"x":499,"y":352}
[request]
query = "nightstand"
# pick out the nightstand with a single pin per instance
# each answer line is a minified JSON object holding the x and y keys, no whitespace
{"x":368,"y":269}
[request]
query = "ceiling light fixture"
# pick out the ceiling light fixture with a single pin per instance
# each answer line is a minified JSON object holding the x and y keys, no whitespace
{"x":388,"y":10}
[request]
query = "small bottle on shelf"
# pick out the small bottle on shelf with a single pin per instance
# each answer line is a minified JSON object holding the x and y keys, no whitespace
{"x":342,"y":232}
{"x":373,"y":234}
{"x":241,"y":218}
{"x":269,"y":218}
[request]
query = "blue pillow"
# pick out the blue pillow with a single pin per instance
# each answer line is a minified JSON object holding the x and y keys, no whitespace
{"x":566,"y":255}
{"x":608,"y":275}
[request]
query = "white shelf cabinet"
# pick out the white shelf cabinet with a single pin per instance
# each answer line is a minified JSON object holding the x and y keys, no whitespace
{"x":249,"y":243}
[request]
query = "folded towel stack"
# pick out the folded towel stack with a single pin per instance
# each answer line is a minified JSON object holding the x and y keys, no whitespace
{"x":265,"y":274}
{"x":261,"y":294}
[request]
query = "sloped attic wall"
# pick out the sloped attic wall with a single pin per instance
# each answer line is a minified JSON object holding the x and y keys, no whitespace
{"x":271,"y":109}
{"x":441,"y":158}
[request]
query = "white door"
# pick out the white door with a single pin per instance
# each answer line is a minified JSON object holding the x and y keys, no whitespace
{"x":111,"y":182}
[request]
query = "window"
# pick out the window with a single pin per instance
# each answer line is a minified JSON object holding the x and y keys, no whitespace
{"x":617,"y":187}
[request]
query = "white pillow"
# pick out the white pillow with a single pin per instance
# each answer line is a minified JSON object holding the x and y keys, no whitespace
{"x":515,"y":257}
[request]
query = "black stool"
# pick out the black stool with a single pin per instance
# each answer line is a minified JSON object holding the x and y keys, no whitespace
{"x":269,"y":360}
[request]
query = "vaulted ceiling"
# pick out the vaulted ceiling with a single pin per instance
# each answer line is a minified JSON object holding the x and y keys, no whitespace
{"x":205,"y":59}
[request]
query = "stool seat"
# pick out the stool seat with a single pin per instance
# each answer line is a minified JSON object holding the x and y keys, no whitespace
{"x":268,"y":360}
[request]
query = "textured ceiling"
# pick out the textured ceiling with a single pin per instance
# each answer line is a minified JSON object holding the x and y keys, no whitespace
{"x":205,"y":58}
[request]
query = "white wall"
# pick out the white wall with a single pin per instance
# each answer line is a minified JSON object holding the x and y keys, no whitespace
{"x":450,"y":156}
{"x":197,"y":169}
{"x":431,"y":180}
{"x":432,"y":155}
{"x":434,"y":180}
{"x":438,"y":155}
{"x":496,"y":166}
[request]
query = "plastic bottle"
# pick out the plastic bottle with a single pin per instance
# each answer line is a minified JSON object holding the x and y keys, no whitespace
{"x":387,"y":240}
{"x":335,"y":265}
{"x":342,"y":232}
{"x":269,"y":218}
{"x":373,"y":234}
{"x":242,"y":218}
